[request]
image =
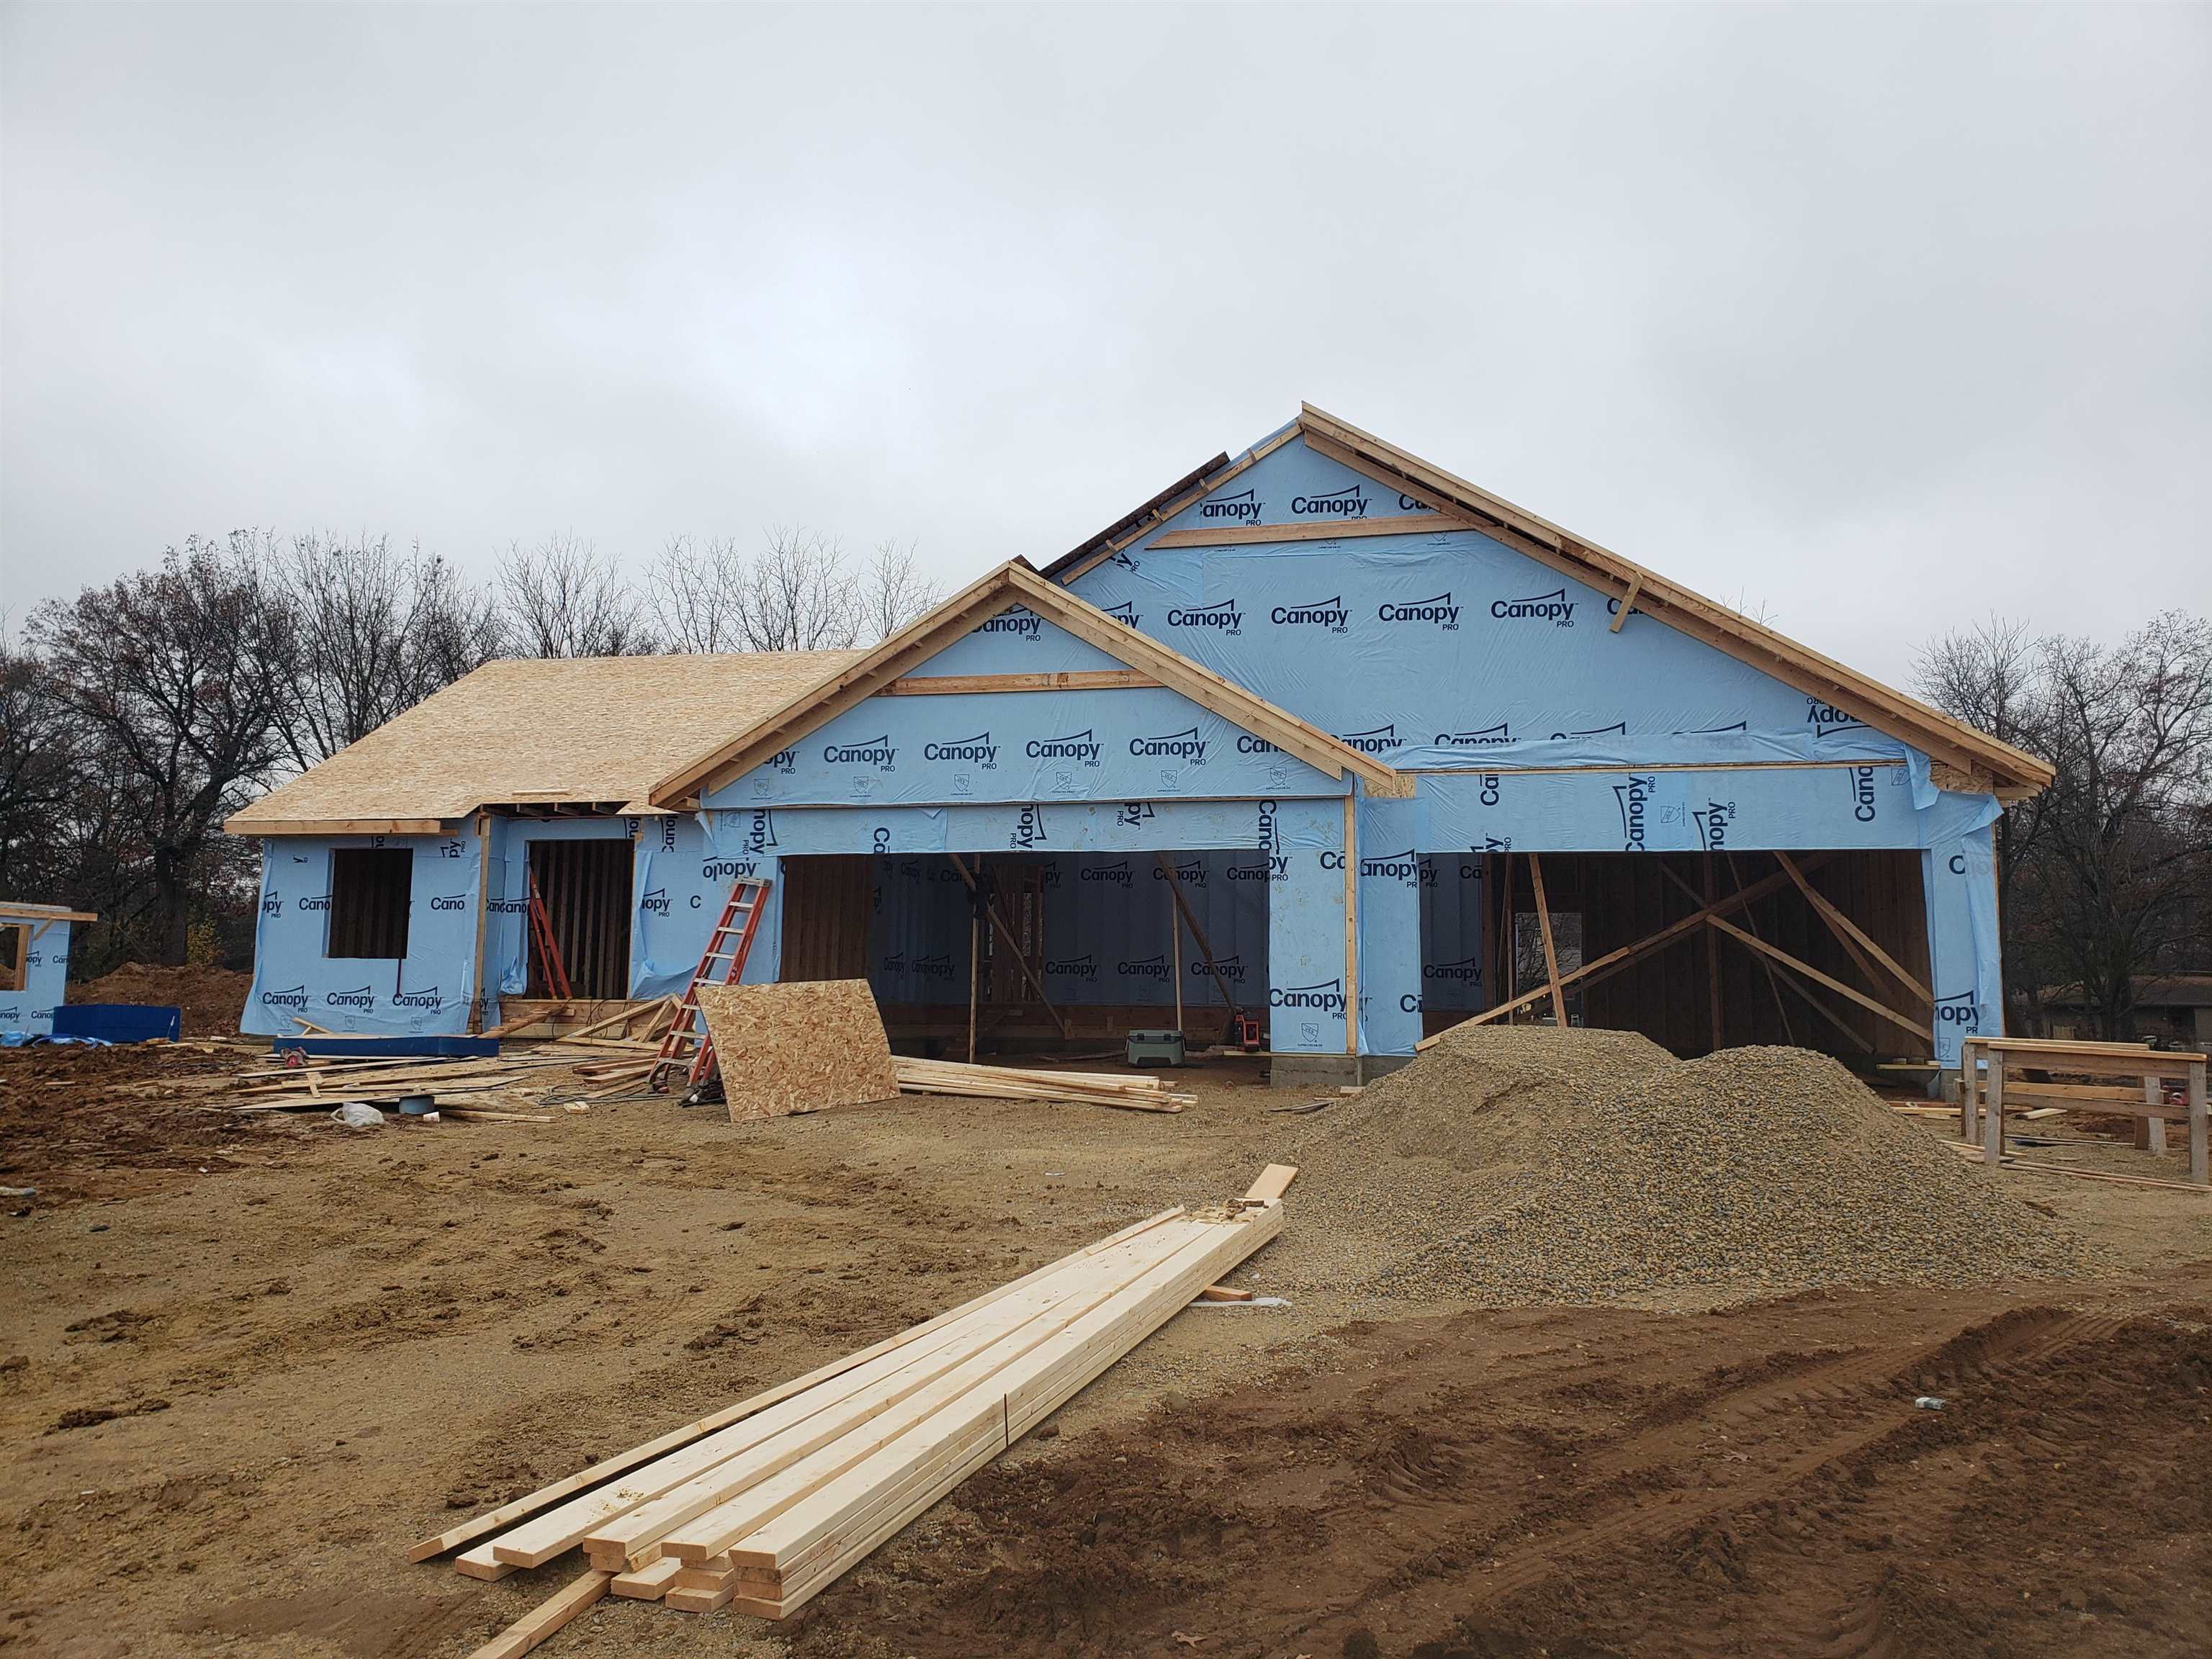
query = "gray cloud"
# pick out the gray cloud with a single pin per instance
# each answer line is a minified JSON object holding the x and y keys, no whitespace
{"x":1877,"y":317}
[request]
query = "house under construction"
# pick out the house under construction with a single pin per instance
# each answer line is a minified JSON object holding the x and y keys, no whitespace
{"x":1321,"y":735}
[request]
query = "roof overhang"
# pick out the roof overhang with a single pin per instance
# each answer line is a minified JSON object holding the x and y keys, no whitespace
{"x":1003,"y":589}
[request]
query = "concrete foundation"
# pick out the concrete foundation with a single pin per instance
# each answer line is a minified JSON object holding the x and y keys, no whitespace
{"x":1330,"y":1071}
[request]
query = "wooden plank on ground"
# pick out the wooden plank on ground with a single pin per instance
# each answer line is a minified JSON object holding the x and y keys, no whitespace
{"x":1274,"y":1180}
{"x":786,"y":1048}
{"x":548,"y":1617}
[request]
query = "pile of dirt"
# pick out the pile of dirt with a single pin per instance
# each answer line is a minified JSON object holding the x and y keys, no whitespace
{"x":1516,"y":1166}
{"x":212,"y":999}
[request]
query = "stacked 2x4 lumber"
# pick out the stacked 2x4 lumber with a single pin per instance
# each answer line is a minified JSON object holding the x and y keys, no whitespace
{"x":763,"y":1505}
{"x":1134,"y":1091}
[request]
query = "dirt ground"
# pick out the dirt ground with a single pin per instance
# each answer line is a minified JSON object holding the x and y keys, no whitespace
{"x":245,"y":1363}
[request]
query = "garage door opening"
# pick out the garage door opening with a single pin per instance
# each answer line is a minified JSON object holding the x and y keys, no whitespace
{"x":1066,"y":954}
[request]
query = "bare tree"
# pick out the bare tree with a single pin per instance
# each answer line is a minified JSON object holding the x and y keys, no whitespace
{"x":697,"y":592}
{"x":2102,"y":876}
{"x":563,"y":598}
{"x":39,"y":749}
{"x":180,"y":676}
{"x":797,"y":594}
{"x":2124,"y":826}
{"x":379,"y":630}
{"x":896,"y":591}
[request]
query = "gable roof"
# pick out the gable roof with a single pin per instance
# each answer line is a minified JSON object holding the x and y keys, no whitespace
{"x":1977,"y":761}
{"x":579,"y":731}
{"x":1009,"y":586}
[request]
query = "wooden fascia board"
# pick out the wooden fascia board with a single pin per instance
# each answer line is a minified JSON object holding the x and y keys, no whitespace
{"x":1411,"y":524}
{"x":1702,"y":619}
{"x":11,"y":915}
{"x":679,"y":788}
{"x":1206,"y":689}
{"x":815,"y":709}
{"x":274,"y":828}
{"x":1071,"y":680}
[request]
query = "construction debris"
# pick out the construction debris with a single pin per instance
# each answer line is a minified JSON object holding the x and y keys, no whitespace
{"x":1132,"y":1091}
{"x":764,"y":1504}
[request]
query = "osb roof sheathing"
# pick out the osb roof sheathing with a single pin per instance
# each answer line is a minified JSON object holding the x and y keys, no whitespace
{"x":527,"y":731}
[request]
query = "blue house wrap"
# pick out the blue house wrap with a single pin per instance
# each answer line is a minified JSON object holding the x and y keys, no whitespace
{"x":1322,"y":691}
{"x":34,"y":966}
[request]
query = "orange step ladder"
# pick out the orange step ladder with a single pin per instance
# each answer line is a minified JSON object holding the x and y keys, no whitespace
{"x":688,"y":1044}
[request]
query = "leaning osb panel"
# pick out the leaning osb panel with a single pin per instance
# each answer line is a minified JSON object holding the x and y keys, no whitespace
{"x":786,"y":1048}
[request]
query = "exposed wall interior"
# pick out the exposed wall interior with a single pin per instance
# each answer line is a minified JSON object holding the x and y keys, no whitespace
{"x":585,"y":886}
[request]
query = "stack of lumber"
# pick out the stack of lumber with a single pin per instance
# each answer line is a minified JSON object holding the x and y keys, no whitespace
{"x":1136,"y":1091}
{"x":616,"y":1061}
{"x":764,"y":1504}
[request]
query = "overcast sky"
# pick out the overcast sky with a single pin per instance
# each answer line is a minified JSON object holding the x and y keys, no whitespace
{"x":1877,"y":318}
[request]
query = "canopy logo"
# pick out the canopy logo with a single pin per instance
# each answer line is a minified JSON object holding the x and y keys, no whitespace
{"x":782,"y":761}
{"x":979,"y":749}
{"x":1126,"y":613}
{"x":1275,"y":867}
{"x":1085,"y":968}
{"x":1127,"y":561}
{"x":1236,"y":509}
{"x":416,"y":998}
{"x":1618,"y":729}
{"x":1379,"y":741}
{"x":1492,"y":844}
{"x":450,"y":902}
{"x":1328,"y":615}
{"x":937,"y":967}
{"x":272,"y":903}
{"x":1082,"y":746}
{"x":1440,"y":610}
{"x":1349,"y":502}
{"x":319,"y":901}
{"x":1191,"y":873}
{"x":1023,"y":624}
{"x":513,"y":907}
{"x":1958,"y":1009}
{"x":1133,"y":813}
{"x":1468,"y":970}
{"x":762,"y":836}
{"x":1185,"y":745}
{"x":1633,"y":797}
{"x":869,"y":751}
{"x":1230,"y":967}
{"x":1029,"y":827}
{"x":1714,"y":823}
{"x":1715,"y":731}
{"x":728,"y":869}
{"x":1327,"y":995}
{"x":1489,"y":736}
{"x":1249,"y":744}
{"x":294,"y":998}
{"x":1222,"y":616}
{"x":1825,"y":718}
{"x":1862,"y":782}
{"x":1489,"y":789}
{"x":363,"y":998}
{"x":654,"y":903}
{"x":1113,"y":875}
{"x":1613,"y":608}
{"x":1154,"y":966}
{"x":1555,"y":607}
{"x":668,"y":834}
{"x":1404,"y":866}
{"x":1270,"y":839}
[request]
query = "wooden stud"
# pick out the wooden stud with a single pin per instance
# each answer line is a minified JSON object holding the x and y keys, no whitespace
{"x":1350,"y":929}
{"x":1993,"y":1112}
{"x":1006,"y":932}
{"x":1853,"y":939}
{"x":2150,"y":1132}
{"x":1551,"y":954}
{"x":2199,"y":1171}
{"x":1086,"y":679}
{"x":1712,"y":955}
{"x":1778,"y":954}
{"x":1411,"y":524}
{"x":1197,"y":933}
{"x":1628,"y":602}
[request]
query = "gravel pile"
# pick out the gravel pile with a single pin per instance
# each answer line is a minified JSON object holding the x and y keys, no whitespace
{"x":1524,"y":1165}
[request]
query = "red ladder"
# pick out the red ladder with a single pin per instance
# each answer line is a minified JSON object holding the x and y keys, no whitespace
{"x":550,"y":965}
{"x":687,"y":1042}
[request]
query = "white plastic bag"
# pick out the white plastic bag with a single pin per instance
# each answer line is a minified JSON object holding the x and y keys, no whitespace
{"x":356,"y":1114}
